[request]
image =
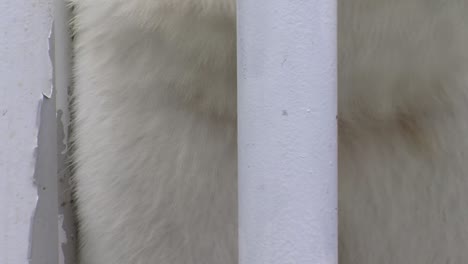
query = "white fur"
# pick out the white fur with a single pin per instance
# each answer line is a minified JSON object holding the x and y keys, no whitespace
{"x":156,"y":131}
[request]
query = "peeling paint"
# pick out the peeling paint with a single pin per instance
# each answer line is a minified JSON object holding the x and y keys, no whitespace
{"x":47,"y":91}
{"x":25,"y":75}
{"x":52,"y":239}
{"x":62,"y":237}
{"x":35,"y":157}
{"x":67,"y":224}
{"x":44,"y":232}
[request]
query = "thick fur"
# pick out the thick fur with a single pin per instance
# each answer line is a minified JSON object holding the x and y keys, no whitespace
{"x":156,"y":131}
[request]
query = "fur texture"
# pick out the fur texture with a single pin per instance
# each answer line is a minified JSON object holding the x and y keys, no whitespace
{"x":156,"y":131}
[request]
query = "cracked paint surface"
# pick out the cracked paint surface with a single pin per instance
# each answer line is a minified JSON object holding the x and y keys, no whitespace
{"x":53,"y":233}
{"x":25,"y":73}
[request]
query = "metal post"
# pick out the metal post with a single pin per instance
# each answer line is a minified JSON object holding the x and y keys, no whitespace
{"x":287,"y":106}
{"x":27,"y":161}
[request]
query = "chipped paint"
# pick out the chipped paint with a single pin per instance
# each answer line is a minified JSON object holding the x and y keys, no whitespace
{"x":25,"y":73}
{"x":67,"y":229}
{"x":62,"y":237}
{"x":47,"y":91}
{"x":55,"y":218}
{"x":44,"y":238}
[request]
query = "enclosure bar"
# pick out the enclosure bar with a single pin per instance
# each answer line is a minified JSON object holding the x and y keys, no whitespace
{"x":25,"y":99}
{"x":287,"y":131}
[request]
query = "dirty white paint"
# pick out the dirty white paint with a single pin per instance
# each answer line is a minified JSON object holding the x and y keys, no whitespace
{"x":287,"y":80}
{"x":25,"y":73}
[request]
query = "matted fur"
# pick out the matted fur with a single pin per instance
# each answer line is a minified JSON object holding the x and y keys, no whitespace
{"x":156,"y":131}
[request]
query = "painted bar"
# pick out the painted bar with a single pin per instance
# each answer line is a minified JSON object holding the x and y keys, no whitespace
{"x":287,"y":140}
{"x":25,"y":95}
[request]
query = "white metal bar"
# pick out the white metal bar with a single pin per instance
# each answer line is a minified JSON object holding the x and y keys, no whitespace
{"x":26,"y":84}
{"x":287,"y":105}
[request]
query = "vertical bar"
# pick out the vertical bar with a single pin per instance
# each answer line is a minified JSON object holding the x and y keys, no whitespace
{"x":26,"y":85}
{"x":287,"y":106}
